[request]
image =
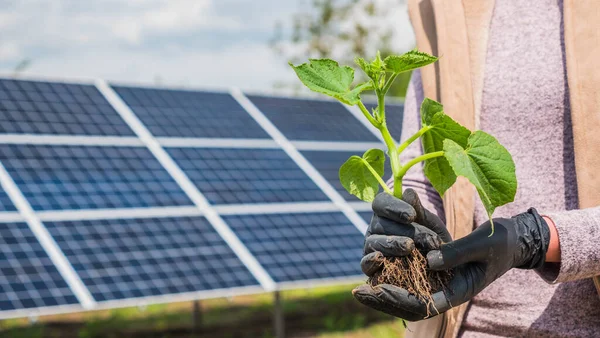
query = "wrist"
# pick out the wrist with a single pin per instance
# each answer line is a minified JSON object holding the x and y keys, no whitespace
{"x":553,"y":253}
{"x":535,"y":239}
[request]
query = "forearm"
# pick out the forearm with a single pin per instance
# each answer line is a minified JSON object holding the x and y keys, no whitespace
{"x":553,"y":253}
{"x":574,"y":251}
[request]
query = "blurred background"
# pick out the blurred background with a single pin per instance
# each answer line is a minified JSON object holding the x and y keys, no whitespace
{"x":205,"y":45}
{"x":200,"y":43}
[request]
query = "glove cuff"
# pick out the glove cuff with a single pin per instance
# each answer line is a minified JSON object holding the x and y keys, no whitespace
{"x":536,"y":238}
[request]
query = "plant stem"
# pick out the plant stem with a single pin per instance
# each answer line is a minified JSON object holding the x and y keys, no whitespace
{"x":389,"y":83}
{"x":413,"y":138}
{"x":368,"y":115}
{"x":416,"y":160}
{"x":379,"y":179}
{"x":381,"y":106}
{"x":394,"y":159}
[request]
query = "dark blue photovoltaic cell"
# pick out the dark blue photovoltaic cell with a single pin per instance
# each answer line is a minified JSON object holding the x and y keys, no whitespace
{"x":5,"y":203}
{"x":131,"y":258}
{"x":293,"y":247}
{"x":366,"y":215}
{"x":312,"y":120}
{"x":394,"y":113}
{"x":183,"y":113}
{"x":28,"y":278}
{"x":32,"y":107}
{"x":86,"y":177}
{"x":227,"y":176}
{"x":328,"y":164}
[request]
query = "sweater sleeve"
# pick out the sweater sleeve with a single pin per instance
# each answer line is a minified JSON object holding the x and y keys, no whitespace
{"x":579,"y":237}
{"x":415,"y":178}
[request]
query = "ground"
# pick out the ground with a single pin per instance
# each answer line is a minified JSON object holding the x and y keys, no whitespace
{"x":329,"y":312}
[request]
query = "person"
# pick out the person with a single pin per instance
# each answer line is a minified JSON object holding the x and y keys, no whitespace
{"x":539,"y":95}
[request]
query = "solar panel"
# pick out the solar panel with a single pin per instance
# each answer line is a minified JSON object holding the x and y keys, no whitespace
{"x":312,"y":120}
{"x":294,"y":247}
{"x":328,"y":164}
{"x":28,"y":278}
{"x":29,"y":107}
{"x":181,"y":113}
{"x":168,"y":253}
{"x":90,"y":177}
{"x":366,"y":215}
{"x":6,"y":205}
{"x":228,"y":176}
{"x":132,"y":258}
{"x":393,"y":117}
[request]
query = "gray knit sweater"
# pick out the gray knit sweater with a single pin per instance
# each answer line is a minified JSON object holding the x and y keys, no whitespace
{"x":526,"y":106}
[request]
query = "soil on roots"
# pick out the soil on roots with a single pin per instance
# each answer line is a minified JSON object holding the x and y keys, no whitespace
{"x":411,"y":273}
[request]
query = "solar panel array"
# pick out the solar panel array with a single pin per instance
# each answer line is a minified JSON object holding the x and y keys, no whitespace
{"x":116,"y":196}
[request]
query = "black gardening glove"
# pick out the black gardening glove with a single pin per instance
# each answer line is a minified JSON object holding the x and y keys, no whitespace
{"x":397,"y":227}
{"x":477,"y":260}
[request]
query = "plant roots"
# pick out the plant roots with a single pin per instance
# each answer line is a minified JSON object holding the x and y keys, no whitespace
{"x":411,"y":274}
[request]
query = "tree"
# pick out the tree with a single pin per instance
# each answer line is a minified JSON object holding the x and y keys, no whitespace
{"x":345,"y":29}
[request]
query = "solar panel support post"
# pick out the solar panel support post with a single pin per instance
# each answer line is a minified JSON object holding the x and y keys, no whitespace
{"x":196,"y":317}
{"x":278,"y":316}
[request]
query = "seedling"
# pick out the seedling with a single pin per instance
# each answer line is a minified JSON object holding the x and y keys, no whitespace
{"x":450,"y":150}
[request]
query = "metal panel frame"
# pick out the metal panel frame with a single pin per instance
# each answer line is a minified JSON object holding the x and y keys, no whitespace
{"x":71,"y":140}
{"x":335,"y":146}
{"x":184,"y":211}
{"x":242,"y":143}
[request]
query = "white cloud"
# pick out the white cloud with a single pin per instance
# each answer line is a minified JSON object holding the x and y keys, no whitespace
{"x":63,"y":22}
{"x":9,"y":51}
{"x":202,"y":69}
{"x":167,"y":17}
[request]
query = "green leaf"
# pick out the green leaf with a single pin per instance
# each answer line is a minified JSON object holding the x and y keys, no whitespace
{"x":378,"y":65}
{"x":429,"y":108}
{"x":487,"y":165}
{"x":374,"y":68}
{"x":328,"y":77}
{"x":364,"y":65}
{"x":441,"y":127}
{"x":357,"y":174}
{"x":408,"y":61}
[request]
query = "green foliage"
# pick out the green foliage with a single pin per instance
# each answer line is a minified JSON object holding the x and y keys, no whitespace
{"x":408,"y":61}
{"x":373,"y":69}
{"x":440,"y":127}
{"x":429,"y":108}
{"x":328,"y":77}
{"x":361,"y":176}
{"x":450,"y":150}
{"x":487,"y":165}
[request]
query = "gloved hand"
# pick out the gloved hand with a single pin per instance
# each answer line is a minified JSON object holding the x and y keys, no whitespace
{"x":397,"y":227}
{"x":477,"y":260}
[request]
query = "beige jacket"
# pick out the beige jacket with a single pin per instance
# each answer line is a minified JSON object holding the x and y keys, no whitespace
{"x":457,"y":31}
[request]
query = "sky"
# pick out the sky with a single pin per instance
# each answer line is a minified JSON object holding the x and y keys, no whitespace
{"x":211,"y":44}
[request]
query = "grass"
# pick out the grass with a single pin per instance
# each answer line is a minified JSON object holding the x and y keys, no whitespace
{"x":329,"y":312}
